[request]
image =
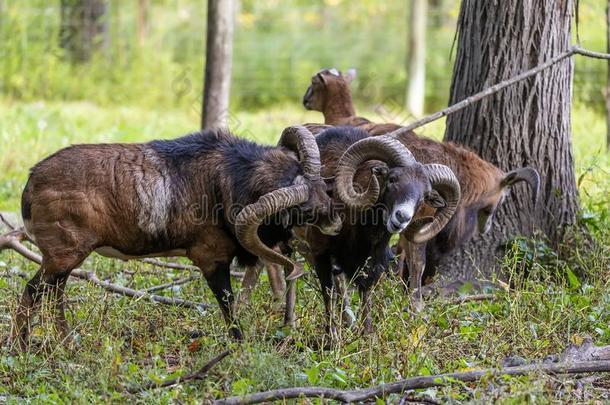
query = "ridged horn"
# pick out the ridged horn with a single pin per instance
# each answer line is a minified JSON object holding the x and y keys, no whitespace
{"x":301,"y":141}
{"x":381,"y":148}
{"x":443,"y":180}
{"x":527,"y":174}
{"x":252,"y":216}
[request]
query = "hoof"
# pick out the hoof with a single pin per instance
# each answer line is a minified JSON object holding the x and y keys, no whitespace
{"x":418,"y":305}
{"x":348,"y":317}
{"x":415,"y":306}
{"x":236,"y":334}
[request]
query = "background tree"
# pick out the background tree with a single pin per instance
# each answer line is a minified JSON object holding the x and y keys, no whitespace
{"x":527,"y":124}
{"x":84,"y":27}
{"x":416,"y":57}
{"x":608,"y":77}
{"x":218,"y":63}
{"x":142,"y":23}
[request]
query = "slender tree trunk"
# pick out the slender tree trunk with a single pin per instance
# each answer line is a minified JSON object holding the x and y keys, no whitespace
{"x":527,"y":124}
{"x":143,"y":6}
{"x":84,"y":27}
{"x":608,"y":78}
{"x":416,"y":57}
{"x":219,"y":52}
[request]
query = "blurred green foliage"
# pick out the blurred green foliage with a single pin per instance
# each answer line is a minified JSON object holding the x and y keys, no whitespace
{"x":278,"y":46}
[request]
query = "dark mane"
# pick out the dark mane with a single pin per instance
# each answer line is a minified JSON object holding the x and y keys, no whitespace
{"x":344,"y":135}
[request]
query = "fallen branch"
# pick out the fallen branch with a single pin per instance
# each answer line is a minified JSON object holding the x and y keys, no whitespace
{"x":180,"y":266}
{"x":383,"y":390}
{"x":12,"y":240}
{"x":197,"y":375}
{"x":586,"y":358}
{"x":574,"y":50}
{"x":18,"y":273}
{"x":171,"y":284}
{"x":169,"y":265}
{"x":472,"y":298}
{"x":7,"y":223}
{"x":129,"y":292}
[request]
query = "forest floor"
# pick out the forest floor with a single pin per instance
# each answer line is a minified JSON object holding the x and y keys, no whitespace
{"x":119,"y":343}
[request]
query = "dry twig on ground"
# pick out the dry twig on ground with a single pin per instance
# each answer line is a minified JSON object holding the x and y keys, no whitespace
{"x":171,"y":284}
{"x":12,"y":240}
{"x":180,"y":266}
{"x":197,"y":375}
{"x":586,"y":358}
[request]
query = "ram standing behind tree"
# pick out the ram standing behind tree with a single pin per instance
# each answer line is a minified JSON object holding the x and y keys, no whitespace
{"x":527,"y":124}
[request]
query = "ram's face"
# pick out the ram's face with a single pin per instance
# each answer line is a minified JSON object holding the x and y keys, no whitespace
{"x":487,"y":211}
{"x":405,"y":188}
{"x":313,"y":98}
{"x":319,"y":210}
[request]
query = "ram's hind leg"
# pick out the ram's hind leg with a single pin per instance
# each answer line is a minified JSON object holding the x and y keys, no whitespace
{"x":25,"y":311}
{"x":50,"y":280}
{"x":57,"y":295}
{"x":64,"y":246}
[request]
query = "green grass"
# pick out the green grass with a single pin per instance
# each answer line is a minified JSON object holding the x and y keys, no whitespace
{"x":121,"y":342}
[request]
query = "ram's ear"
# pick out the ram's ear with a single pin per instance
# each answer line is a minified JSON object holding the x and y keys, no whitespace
{"x":320,"y":77}
{"x":350,"y":75}
{"x":434,"y":199}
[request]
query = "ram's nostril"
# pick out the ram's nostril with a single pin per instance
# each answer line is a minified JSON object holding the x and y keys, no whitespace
{"x":402,"y":216}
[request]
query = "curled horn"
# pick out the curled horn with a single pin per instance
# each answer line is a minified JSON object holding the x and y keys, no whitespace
{"x":527,"y":174}
{"x":381,"y":148}
{"x":251,"y":217}
{"x":443,"y":180}
{"x":300,"y":140}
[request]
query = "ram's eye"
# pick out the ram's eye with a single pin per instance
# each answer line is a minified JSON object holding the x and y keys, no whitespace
{"x":392,"y":179}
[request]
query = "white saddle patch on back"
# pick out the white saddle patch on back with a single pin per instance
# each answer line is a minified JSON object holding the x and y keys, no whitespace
{"x":154,"y":192}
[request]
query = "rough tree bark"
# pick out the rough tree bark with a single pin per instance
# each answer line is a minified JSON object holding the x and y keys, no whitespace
{"x":527,"y":124}
{"x":218,"y":62}
{"x":84,"y":27}
{"x":416,"y":57}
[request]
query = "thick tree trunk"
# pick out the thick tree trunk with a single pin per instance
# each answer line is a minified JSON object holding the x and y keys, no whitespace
{"x":416,"y":58}
{"x":84,"y":27}
{"x":142,"y":25}
{"x":608,"y":78}
{"x":219,"y":52}
{"x":527,"y":124}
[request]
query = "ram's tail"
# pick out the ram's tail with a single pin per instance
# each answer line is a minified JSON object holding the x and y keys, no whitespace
{"x":26,"y":206}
